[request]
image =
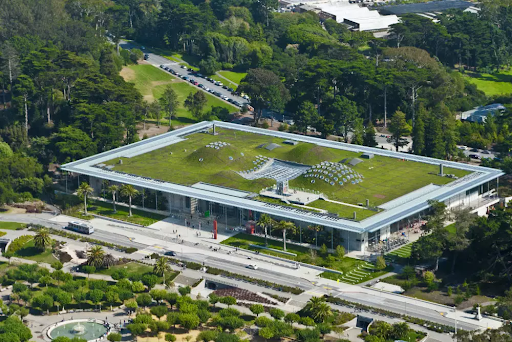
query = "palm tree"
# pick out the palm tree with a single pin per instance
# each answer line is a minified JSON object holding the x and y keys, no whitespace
{"x":42,"y":240}
{"x":318,"y":309}
{"x":161,"y":266}
{"x":85,"y":190}
{"x":109,"y":260}
{"x":130,"y":191}
{"x":316,"y":228}
{"x":95,"y":256}
{"x":264,"y":222}
{"x":284,"y":226}
{"x":113,"y":190}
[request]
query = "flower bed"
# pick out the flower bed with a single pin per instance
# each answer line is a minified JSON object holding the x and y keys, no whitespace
{"x":241,"y":294}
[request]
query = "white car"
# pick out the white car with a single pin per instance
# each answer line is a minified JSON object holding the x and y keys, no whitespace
{"x":252,"y":266}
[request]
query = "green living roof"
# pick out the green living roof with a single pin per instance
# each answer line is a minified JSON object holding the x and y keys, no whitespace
{"x":190,"y":161}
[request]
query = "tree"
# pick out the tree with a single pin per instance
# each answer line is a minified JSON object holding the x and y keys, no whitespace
{"x":358,"y":132}
{"x":184,"y":290}
{"x":169,"y":102}
{"x":42,"y":240}
{"x":265,"y":221}
{"x":265,"y":90}
{"x":88,"y":270}
{"x":159,"y":311}
{"x":369,"y":136}
{"x":398,"y":129}
{"x":195,"y":103}
{"x":24,"y":89}
{"x":380,"y":263}
{"x":131,"y":305}
{"x":96,"y":296}
{"x":161,"y":266}
{"x":71,"y":143}
{"x":57,"y":265}
{"x":144,"y":299}
{"x":114,"y":337}
{"x":418,"y":133}
{"x":130,"y":191}
{"x":344,"y":114}
{"x":308,"y":335}
{"x":257,"y":309}
{"x":138,"y":287}
{"x":113,"y":189}
{"x":284,"y":226}
{"x":84,"y":190}
{"x":188,"y":321}
{"x":95,"y":256}
{"x":305,"y":116}
{"x":228,"y":300}
{"x":318,"y":309}
{"x":137,"y":329}
{"x":150,"y":280}
{"x":340,"y":252}
{"x":291,"y":317}
{"x":277,"y":313}
{"x":170,"y":337}
{"x":266,"y":333}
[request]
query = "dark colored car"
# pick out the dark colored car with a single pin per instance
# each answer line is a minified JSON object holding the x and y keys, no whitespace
{"x":146,"y":56}
{"x":474,"y":156}
{"x":170,"y":253}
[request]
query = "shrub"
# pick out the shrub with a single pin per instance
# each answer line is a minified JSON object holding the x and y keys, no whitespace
{"x":283,"y":127}
{"x":459,"y":299}
{"x":17,"y":244}
{"x":264,"y":125}
{"x":114,"y":337}
{"x":263,"y":321}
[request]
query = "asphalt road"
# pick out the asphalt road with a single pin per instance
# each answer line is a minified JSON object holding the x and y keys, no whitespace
{"x":227,"y":263}
{"x":158,"y":60}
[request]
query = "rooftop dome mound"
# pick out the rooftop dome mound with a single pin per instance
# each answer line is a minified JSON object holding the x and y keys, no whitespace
{"x":226,"y":155}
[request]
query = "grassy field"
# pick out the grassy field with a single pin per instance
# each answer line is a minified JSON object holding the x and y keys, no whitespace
{"x":151,"y":82}
{"x":132,"y":267}
{"x":220,"y":79}
{"x":11,"y":225}
{"x":354,"y":270}
{"x":233,"y":76}
{"x":32,"y":253}
{"x":106,"y":209}
{"x":492,"y":84}
{"x":191,"y":161}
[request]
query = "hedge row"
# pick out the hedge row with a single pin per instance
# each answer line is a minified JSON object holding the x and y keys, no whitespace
{"x":82,"y":238}
{"x":217,"y":271}
{"x":437,"y":327}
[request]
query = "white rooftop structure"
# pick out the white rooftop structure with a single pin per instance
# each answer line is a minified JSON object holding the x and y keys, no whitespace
{"x":366,"y":19}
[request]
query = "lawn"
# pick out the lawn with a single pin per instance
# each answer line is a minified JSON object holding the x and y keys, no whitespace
{"x":354,"y":270}
{"x":492,"y":84}
{"x":233,"y":76}
{"x":30,"y":252}
{"x":106,"y":209}
{"x":400,"y":255}
{"x":151,"y":82}
{"x":191,"y":162}
{"x":132,"y":267}
{"x":220,"y":79}
{"x":11,"y":225}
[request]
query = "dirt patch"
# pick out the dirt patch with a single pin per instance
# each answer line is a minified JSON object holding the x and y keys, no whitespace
{"x":127,"y":73}
{"x":149,"y":98}
{"x":157,"y":83}
{"x":6,"y":209}
{"x":379,"y":196}
{"x":151,"y":130}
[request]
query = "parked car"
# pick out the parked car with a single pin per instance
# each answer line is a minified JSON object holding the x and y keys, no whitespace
{"x":162,"y":66}
{"x":252,"y":266}
{"x":474,"y":150}
{"x":146,"y":56}
{"x":474,"y":156}
{"x":225,"y":86}
{"x":231,"y":90}
{"x":183,"y":67}
{"x":171,"y":253}
{"x":201,"y":86}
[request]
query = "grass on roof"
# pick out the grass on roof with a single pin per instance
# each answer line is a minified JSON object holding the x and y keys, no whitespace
{"x":492,"y":84}
{"x":343,"y":210}
{"x":384,"y":178}
{"x":151,"y":82}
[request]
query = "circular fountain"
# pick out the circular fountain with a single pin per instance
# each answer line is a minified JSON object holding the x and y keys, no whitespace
{"x":88,"y":330}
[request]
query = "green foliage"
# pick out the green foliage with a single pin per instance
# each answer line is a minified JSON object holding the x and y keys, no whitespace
{"x":257,"y":309}
{"x":380,"y":263}
{"x":17,"y":244}
{"x":159,"y":311}
{"x":114,"y":337}
{"x":277,"y":313}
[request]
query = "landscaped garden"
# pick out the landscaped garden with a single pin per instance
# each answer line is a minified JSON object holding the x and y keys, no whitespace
{"x":122,"y":213}
{"x":353,"y":270}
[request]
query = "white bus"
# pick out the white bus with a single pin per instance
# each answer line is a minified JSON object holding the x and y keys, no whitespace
{"x":80,"y":227}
